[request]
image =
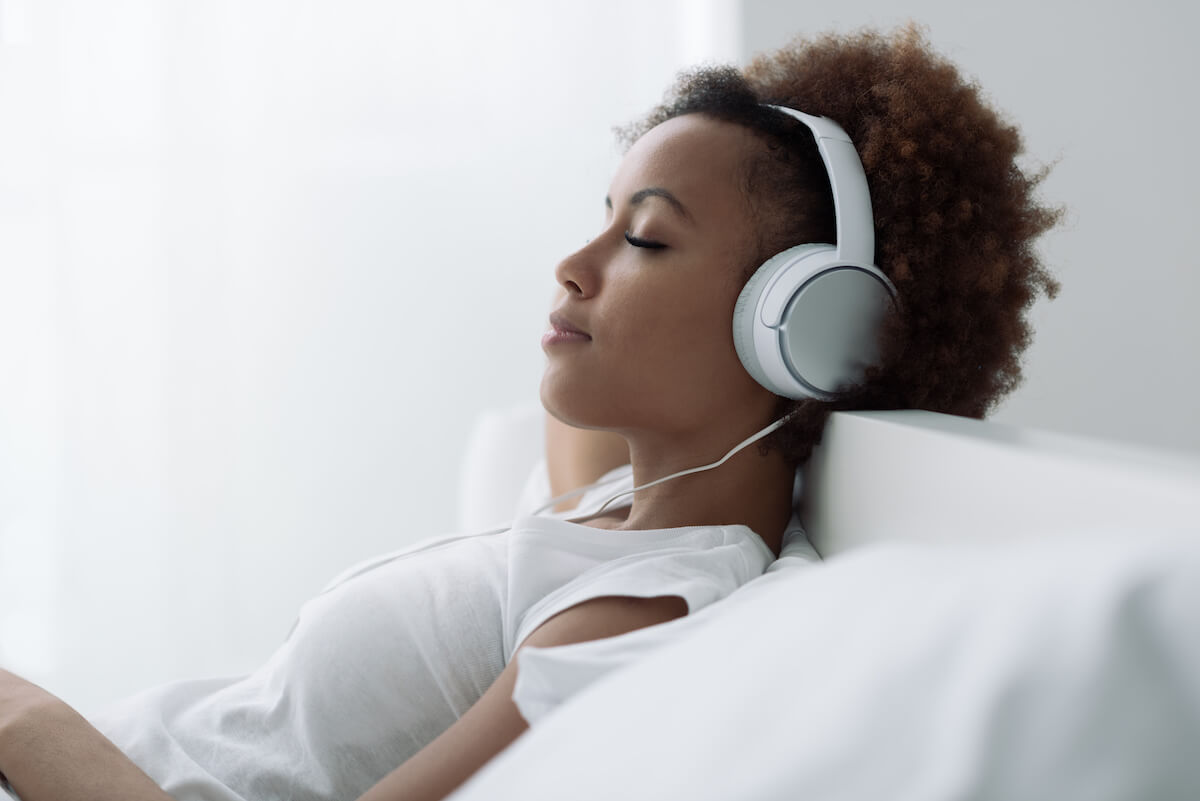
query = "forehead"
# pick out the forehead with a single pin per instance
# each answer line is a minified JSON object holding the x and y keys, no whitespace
{"x":697,"y":158}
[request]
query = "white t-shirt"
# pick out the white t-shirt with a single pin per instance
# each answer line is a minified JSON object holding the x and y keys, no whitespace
{"x":396,"y":650}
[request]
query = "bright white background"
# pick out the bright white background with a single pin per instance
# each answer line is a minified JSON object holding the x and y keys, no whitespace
{"x":263,"y":262}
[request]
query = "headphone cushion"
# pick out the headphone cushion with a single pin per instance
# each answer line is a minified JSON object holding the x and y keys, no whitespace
{"x":745,"y":309}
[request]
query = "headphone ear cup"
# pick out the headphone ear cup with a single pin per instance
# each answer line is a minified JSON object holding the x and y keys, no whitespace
{"x":744,"y":310}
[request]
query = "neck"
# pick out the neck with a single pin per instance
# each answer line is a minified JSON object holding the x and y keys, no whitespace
{"x":750,"y":489}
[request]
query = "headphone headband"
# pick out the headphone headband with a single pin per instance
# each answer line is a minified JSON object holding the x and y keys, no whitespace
{"x":806,"y":323}
{"x":851,"y":197}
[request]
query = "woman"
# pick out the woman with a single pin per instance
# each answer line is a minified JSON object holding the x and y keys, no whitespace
{"x":641,"y":366}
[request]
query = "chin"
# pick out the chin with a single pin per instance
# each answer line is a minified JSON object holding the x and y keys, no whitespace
{"x":571,"y":408}
{"x":552,"y":403}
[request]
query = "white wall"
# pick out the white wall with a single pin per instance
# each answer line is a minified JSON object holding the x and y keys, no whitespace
{"x":1107,"y":91}
{"x":261,"y":265}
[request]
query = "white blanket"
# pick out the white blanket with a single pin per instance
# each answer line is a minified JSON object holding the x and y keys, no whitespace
{"x":1061,"y":668}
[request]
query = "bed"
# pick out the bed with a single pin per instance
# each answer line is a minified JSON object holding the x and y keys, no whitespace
{"x":977,"y":611}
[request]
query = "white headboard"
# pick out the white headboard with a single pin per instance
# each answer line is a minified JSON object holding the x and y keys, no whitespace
{"x":908,"y":475}
{"x":913,"y":475}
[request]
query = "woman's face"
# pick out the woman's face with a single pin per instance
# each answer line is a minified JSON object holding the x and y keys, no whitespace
{"x":653,"y":293}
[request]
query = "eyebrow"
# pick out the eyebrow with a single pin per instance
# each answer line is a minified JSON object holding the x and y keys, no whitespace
{"x":656,"y":191}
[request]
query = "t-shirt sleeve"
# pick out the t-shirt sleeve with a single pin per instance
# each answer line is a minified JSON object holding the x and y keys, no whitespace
{"x":547,"y":677}
{"x":698,"y":575}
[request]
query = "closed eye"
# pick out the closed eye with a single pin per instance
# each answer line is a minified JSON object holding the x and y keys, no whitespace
{"x":642,"y":243}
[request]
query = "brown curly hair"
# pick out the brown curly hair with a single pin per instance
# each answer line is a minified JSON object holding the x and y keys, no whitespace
{"x":955,"y":216}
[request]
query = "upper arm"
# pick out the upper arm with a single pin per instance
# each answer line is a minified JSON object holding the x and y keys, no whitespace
{"x":575,"y":457}
{"x":494,"y":721}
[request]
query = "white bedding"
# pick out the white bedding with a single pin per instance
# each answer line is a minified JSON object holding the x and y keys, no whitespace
{"x":1061,"y":667}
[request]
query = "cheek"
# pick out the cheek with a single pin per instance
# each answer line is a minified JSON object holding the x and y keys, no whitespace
{"x":695,"y":341}
{"x":690,"y":301}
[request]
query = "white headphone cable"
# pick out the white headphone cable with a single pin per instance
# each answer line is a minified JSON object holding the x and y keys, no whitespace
{"x":379,"y":561}
{"x":750,"y":440}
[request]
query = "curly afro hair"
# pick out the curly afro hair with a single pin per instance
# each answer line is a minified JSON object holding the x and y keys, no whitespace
{"x":955,"y":216}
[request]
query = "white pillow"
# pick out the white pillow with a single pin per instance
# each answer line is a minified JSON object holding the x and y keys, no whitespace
{"x":503,"y":447}
{"x":1063,"y":668}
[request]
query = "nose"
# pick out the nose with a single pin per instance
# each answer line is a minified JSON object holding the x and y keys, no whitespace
{"x":577,"y":273}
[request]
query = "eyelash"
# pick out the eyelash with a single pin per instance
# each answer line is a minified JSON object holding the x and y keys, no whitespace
{"x":643,"y":243}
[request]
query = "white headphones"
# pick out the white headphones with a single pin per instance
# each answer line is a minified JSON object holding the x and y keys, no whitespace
{"x":805,"y":324}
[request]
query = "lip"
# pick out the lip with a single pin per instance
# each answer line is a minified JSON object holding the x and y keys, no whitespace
{"x":563,"y":331}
